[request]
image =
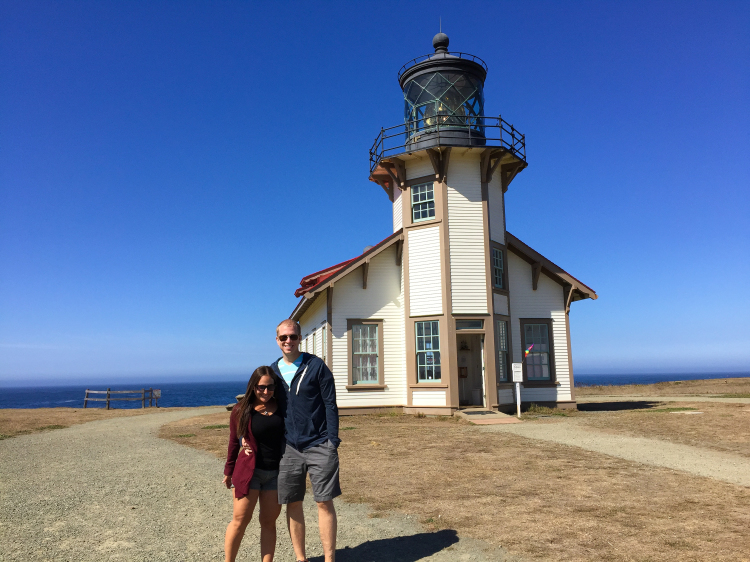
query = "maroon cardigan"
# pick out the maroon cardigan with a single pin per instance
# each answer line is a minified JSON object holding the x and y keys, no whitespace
{"x":239,"y":465}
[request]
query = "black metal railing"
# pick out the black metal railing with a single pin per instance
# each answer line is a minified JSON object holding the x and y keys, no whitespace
{"x":446,"y":130}
{"x":457,"y":55}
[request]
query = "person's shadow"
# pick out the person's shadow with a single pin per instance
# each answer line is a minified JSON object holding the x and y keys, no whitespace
{"x":397,"y":549}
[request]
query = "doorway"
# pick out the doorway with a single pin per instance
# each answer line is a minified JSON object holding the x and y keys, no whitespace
{"x":470,"y":369}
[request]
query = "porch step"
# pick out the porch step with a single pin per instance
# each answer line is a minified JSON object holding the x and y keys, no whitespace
{"x":481,"y":416}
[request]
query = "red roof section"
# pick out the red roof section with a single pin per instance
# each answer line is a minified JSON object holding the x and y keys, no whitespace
{"x":309,"y":281}
{"x":314,"y":279}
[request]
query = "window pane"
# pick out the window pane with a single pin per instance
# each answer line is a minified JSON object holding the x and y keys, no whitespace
{"x":428,"y":351}
{"x":469,"y":324}
{"x":502,"y":350}
{"x":422,"y":201}
{"x":497,"y":267}
{"x":538,"y":360}
{"x":365,"y":353}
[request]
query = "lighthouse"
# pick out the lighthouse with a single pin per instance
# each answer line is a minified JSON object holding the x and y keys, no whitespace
{"x":431,"y":318}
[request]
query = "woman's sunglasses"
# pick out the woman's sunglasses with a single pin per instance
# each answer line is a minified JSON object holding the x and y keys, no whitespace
{"x":264,"y":387}
{"x":292,"y":337}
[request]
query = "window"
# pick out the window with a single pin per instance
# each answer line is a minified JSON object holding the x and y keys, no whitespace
{"x":501,"y":333}
{"x":538,"y":364}
{"x":324,"y":350}
{"x":498,"y":268}
{"x":422,"y":202}
{"x":365,"y":354}
{"x":428,"y":351}
{"x":365,"y":344}
{"x":469,"y":324}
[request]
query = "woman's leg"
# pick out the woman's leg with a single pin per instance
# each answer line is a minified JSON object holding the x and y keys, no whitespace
{"x":241,"y":515}
{"x":269,"y":513}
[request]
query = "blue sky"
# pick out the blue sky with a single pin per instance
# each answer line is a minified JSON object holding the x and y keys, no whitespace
{"x":170,"y":170}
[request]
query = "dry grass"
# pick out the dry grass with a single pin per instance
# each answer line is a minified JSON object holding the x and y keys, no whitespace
{"x":721,"y":426}
{"x":19,"y":421}
{"x":733,"y":388}
{"x":537,"y":499}
{"x":208,"y":433}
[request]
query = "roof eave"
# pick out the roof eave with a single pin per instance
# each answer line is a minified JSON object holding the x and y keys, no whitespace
{"x":581,"y":291}
{"x":309,"y":296}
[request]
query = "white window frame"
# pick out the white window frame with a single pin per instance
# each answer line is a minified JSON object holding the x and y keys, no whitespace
{"x":417,"y":206}
{"x":429,"y":355}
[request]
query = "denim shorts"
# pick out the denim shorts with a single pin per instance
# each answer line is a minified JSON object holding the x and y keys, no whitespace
{"x":264,"y":480}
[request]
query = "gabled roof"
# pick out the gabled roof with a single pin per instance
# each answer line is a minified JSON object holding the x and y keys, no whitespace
{"x":580,"y":291}
{"x":315,"y":283}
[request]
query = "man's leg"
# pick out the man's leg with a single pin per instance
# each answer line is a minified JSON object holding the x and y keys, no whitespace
{"x":328,"y":525}
{"x":295,"y":521}
{"x":323,"y":468}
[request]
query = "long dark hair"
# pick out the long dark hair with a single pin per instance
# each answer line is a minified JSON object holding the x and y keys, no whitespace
{"x":246,"y":404}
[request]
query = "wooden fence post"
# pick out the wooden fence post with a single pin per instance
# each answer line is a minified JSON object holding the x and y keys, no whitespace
{"x":86,"y":398}
{"x":143,"y":398}
{"x":150,"y":397}
{"x":108,"y":399}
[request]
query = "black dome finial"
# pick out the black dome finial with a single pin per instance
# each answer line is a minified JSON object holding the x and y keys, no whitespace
{"x":440,"y":42}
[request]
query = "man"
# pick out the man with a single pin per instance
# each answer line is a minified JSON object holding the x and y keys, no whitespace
{"x":312,"y":436}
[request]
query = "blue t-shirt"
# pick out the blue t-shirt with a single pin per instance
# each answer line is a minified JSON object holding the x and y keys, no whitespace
{"x":288,"y":371}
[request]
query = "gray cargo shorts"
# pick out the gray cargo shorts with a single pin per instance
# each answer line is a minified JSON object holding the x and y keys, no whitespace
{"x":321,"y":462}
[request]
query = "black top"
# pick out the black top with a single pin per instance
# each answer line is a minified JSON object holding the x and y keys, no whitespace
{"x":269,"y":435}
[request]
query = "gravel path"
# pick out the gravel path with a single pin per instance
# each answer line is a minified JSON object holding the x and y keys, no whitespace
{"x":112,"y":490}
{"x":636,"y":398}
{"x":695,"y":460}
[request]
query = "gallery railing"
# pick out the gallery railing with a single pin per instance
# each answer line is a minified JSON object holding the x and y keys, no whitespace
{"x":447,"y":130}
{"x":437,"y":56}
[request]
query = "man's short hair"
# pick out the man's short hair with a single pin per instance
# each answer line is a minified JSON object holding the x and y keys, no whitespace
{"x":289,"y":322}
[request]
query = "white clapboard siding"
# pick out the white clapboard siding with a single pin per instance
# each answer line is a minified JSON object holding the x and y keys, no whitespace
{"x":383,"y":299}
{"x":315,"y":315}
{"x":546,"y":302}
{"x":419,"y":167}
{"x":466,"y":236}
{"x":495,"y":204}
{"x":428,"y":398}
{"x":397,"y":204}
{"x":425,"y":273}
{"x":501,"y":303}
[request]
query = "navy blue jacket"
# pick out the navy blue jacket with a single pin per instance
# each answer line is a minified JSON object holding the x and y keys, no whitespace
{"x":311,"y":415}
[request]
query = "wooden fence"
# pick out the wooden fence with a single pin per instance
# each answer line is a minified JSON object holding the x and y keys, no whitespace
{"x":150,"y":394}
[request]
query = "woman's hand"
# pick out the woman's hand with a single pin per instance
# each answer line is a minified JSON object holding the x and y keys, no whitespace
{"x":227,"y":481}
{"x":246,"y":448}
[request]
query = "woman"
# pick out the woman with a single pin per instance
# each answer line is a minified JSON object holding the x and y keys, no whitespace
{"x":257,"y":422}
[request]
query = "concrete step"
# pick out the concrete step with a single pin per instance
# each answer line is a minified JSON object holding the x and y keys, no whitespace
{"x":482,"y":416}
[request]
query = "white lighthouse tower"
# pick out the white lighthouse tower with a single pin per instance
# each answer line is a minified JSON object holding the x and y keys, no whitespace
{"x":446,"y":171}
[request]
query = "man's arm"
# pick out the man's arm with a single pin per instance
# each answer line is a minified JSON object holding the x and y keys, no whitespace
{"x":328,"y":394}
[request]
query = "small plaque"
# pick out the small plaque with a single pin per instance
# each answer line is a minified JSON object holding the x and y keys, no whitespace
{"x":517,"y":372}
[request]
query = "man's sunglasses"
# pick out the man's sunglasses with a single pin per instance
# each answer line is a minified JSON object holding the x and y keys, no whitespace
{"x":264,"y":387}
{"x":292,"y":337}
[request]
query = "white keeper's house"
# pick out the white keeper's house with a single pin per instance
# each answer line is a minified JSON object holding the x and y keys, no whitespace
{"x":431,"y":318}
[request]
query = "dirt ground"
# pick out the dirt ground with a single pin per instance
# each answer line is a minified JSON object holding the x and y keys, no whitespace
{"x":537,"y":499}
{"x":731,"y":388}
{"x":17,"y":421}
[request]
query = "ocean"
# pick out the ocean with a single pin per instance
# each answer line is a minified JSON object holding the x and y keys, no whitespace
{"x":175,"y":394}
